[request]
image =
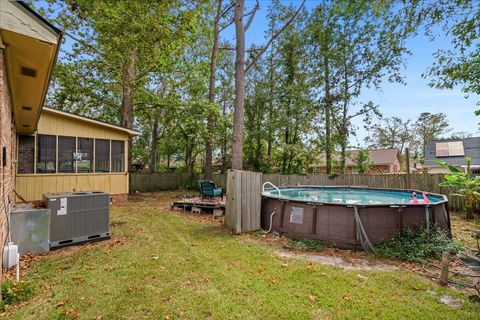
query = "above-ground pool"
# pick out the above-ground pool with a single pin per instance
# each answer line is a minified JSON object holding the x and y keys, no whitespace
{"x":350,"y":217}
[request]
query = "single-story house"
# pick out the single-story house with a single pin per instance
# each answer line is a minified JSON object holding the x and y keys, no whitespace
{"x":383,"y":161}
{"x":28,"y":49}
{"x":69,"y":153}
{"x":454,"y":152}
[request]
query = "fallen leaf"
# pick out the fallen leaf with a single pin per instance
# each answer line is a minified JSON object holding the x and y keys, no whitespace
{"x":99,"y":318}
{"x":71,"y":312}
{"x":312,"y":297}
{"x":361,"y":277}
{"x":59,"y":304}
{"x":309,"y":265}
{"x":129,"y":290}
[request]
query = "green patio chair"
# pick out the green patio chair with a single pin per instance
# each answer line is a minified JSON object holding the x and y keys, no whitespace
{"x":208,"y":189}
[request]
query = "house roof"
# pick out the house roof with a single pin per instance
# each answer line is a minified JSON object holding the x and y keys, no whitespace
{"x":377,"y":156}
{"x":90,"y":120}
{"x":31,"y":46}
{"x":471,"y":147}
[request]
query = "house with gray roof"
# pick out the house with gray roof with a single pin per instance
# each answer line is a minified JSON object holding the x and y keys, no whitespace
{"x":454,"y":152}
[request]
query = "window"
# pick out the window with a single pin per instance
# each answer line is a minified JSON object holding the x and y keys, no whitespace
{"x":118,"y":156}
{"x":449,"y":149}
{"x":66,"y":151}
{"x":46,"y":153}
{"x":26,"y":154}
{"x":84,"y":155}
{"x":102,"y":155}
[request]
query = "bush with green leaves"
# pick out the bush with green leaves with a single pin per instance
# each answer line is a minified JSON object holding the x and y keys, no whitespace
{"x":419,"y":244}
{"x":306,"y":244}
{"x":13,"y":292}
{"x":466,"y":184}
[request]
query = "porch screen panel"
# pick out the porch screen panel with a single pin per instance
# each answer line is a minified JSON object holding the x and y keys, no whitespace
{"x":85,"y":155}
{"x":66,"y":150}
{"x":102,"y":155}
{"x":46,"y":153}
{"x":118,"y":156}
{"x":26,"y":154}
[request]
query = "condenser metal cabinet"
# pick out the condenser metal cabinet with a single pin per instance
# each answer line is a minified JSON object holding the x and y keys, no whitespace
{"x":78,"y":217}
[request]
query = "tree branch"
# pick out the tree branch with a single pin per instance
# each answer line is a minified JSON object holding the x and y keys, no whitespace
{"x":248,"y":50}
{"x":224,"y":12}
{"x":363,"y":111}
{"x":265,"y":47}
{"x":252,"y":15}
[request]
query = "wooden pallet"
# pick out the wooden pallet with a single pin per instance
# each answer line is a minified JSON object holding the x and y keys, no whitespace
{"x":208,"y":205}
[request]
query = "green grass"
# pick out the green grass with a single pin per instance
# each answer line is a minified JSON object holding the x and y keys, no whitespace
{"x":173,"y":267}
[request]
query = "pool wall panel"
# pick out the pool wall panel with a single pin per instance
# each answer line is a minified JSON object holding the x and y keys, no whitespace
{"x":335,"y":224}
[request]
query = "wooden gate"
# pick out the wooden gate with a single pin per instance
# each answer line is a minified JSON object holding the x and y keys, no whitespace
{"x":244,"y":196}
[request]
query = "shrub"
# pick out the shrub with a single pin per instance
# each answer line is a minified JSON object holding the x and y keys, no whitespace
{"x":466,"y":184}
{"x":13,"y":292}
{"x":418,"y":245}
{"x":307,"y":244}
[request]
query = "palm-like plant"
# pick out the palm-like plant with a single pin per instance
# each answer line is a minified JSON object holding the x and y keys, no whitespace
{"x":467,"y":185}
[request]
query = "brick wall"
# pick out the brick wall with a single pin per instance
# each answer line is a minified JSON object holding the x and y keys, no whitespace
{"x":7,"y":140}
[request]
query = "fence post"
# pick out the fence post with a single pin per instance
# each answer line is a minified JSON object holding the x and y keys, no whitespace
{"x":409,"y":178}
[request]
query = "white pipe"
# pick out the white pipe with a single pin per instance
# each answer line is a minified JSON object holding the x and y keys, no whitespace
{"x":271,"y":221}
{"x":274,"y":186}
{"x":18,"y":266}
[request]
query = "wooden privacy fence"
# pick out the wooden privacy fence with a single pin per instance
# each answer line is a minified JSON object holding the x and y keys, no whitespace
{"x":243,"y":206}
{"x":147,"y":182}
{"x":420,"y":181}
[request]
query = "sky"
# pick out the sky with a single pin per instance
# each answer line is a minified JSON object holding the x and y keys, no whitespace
{"x":394,"y":99}
{"x":405,"y":101}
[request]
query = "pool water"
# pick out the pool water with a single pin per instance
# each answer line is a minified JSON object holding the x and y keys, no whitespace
{"x":348,"y":195}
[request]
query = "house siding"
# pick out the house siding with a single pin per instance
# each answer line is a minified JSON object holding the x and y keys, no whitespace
{"x":32,"y":186}
{"x":7,"y":140}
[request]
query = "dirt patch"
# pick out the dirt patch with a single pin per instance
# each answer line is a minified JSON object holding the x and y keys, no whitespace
{"x":338,"y":261}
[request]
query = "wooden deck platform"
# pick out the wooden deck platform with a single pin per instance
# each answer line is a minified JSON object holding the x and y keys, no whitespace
{"x":204,"y":205}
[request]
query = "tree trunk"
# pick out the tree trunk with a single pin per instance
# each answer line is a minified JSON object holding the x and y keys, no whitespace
{"x":239,"y":111}
{"x":153,"y":146}
{"x":328,"y":120}
{"x":211,"y":94}
{"x":271,"y":89}
{"x":224,"y":140}
{"x":128,"y":98}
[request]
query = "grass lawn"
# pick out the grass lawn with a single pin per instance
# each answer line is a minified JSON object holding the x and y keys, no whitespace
{"x":162,"y":265}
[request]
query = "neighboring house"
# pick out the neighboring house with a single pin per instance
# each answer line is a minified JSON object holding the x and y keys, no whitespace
{"x":68,"y":153}
{"x":383,"y":161}
{"x":454,"y":152}
{"x":28,"y":49}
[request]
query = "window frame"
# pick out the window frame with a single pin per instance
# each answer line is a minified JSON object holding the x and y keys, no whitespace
{"x":120,"y":157}
{"x":73,"y":161}
{"x":37,"y":155}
